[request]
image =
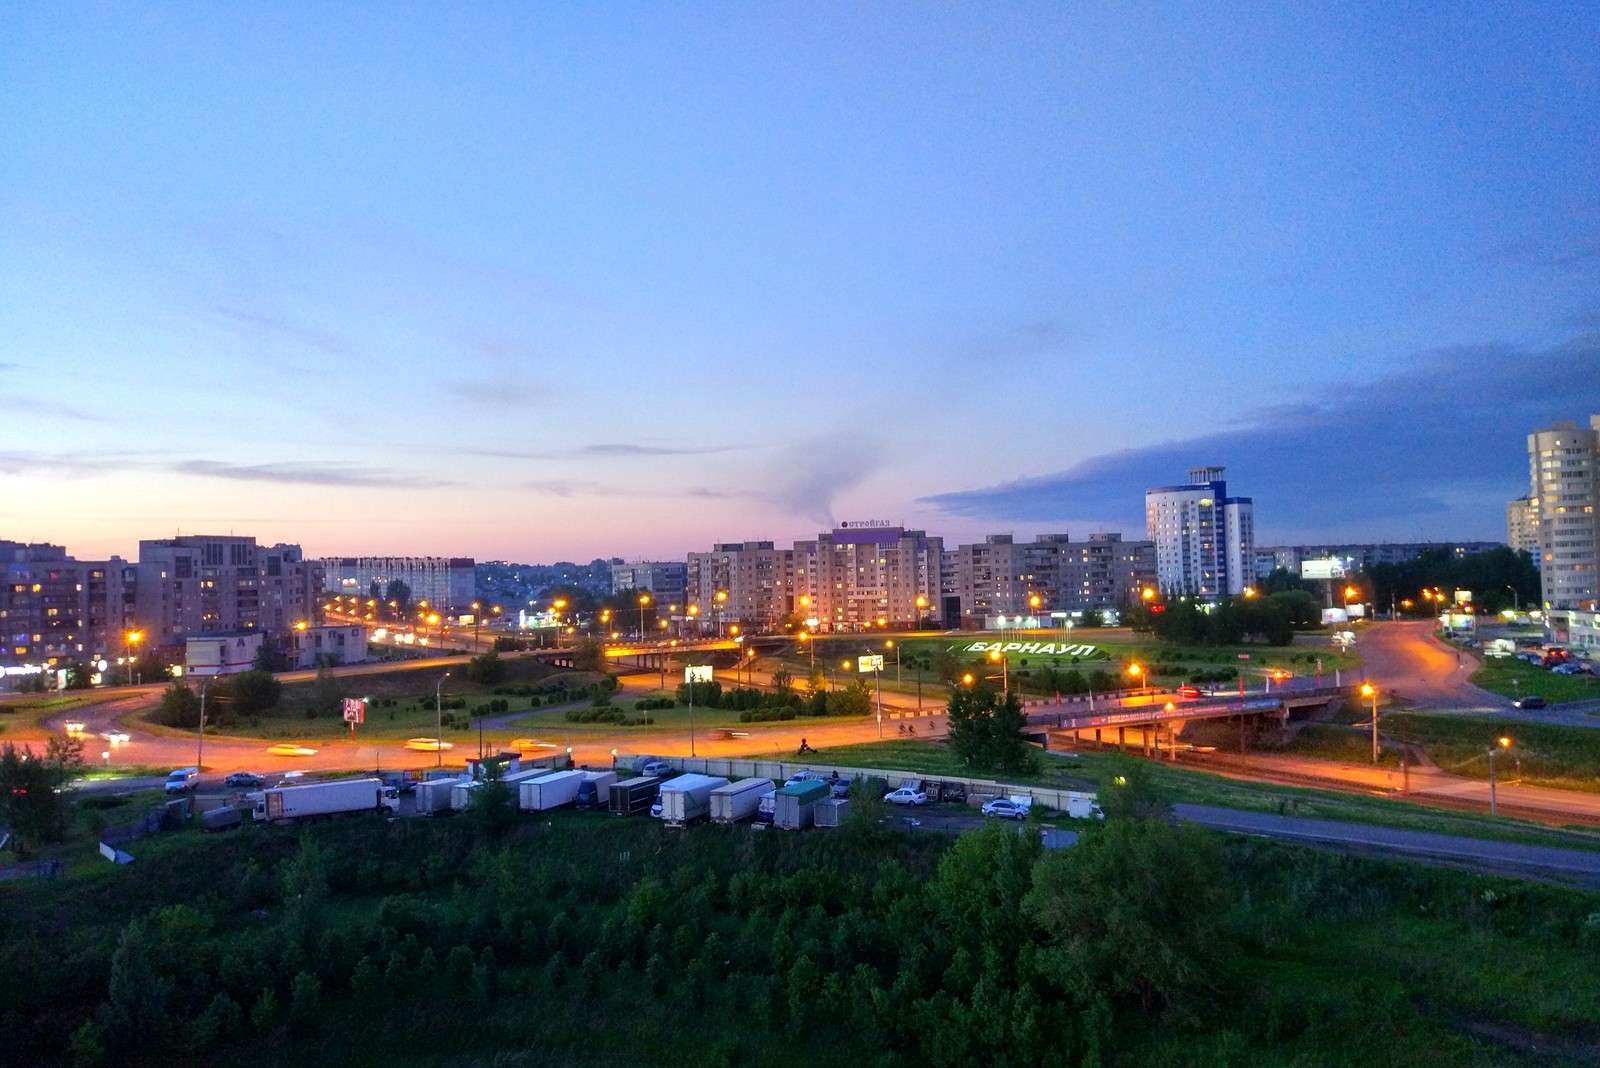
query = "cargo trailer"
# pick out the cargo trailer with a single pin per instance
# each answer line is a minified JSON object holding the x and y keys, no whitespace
{"x":550,"y":790}
{"x":633,"y":797}
{"x":738,"y":801}
{"x":433,"y":796}
{"x":832,"y":811}
{"x":687,"y":798}
{"x":595,"y":789}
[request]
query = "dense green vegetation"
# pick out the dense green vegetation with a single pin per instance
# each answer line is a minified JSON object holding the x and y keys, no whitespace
{"x":585,"y":938}
{"x":1499,"y":579}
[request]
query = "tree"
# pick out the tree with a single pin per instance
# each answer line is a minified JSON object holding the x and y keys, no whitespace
{"x":400,"y":593}
{"x":179,"y":707}
{"x":589,"y":655}
{"x":249,"y":693}
{"x":30,"y":801}
{"x":487,"y":669}
{"x":782,"y":681}
{"x":1136,"y":912}
{"x":79,"y":676}
{"x":327,"y":694}
{"x":854,"y":700}
{"x":986,"y":730}
{"x":63,"y":756}
{"x":271,"y":658}
{"x":494,"y":801}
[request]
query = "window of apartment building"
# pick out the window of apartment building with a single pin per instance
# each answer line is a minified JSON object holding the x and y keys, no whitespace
{"x":212,"y":555}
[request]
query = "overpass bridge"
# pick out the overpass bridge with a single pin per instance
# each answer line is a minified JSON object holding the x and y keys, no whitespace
{"x":649,"y":656}
{"x":1155,"y":715}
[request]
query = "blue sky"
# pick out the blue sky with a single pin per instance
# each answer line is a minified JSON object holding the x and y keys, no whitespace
{"x":538,"y":281}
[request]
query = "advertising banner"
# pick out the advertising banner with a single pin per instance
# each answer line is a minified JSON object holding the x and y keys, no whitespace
{"x":355,"y":710}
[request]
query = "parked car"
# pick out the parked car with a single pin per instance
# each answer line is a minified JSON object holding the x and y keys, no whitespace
{"x":906,"y":795}
{"x":1533,"y":700}
{"x":1529,"y":658}
{"x":839,"y":788}
{"x":659,"y":768}
{"x":804,"y":776}
{"x":245,"y":780}
{"x":1566,"y":667}
{"x":953,"y":791}
{"x":1006,"y":809}
{"x":181,"y":780}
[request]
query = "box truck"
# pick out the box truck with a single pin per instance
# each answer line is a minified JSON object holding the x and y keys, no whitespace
{"x":794,"y":806}
{"x":550,"y":790}
{"x":633,"y":797}
{"x":324,"y":799}
{"x":738,"y":800}
{"x":433,"y":796}
{"x":1082,"y":806}
{"x":687,"y":798}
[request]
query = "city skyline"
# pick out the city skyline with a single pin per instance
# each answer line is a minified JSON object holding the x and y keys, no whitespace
{"x":538,"y":285}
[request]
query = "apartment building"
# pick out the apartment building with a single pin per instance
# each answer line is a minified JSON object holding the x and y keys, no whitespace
{"x":56,"y":610}
{"x":212,"y":584}
{"x":666,"y":581}
{"x":1561,"y":517}
{"x":1204,"y":539}
{"x":446,"y":582}
{"x":1003,"y":577}
{"x":861,"y":575}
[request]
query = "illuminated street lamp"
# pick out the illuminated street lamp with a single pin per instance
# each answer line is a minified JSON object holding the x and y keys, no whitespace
{"x":1369,"y":690}
{"x":1005,"y":670}
{"x":722,"y":599}
{"x":811,"y":648}
{"x":889,"y":644}
{"x":644,"y":601}
{"x":922,"y":604}
{"x":134,"y":638}
{"x":1500,"y":743}
{"x":1136,"y":673}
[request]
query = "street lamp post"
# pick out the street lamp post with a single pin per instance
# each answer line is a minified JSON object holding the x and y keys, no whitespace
{"x":1369,"y":690}
{"x":1501,"y":743}
{"x":438,"y":717}
{"x":1005,"y":672}
{"x":877,"y":686}
{"x":898,"y":677}
{"x":721,"y":599}
{"x":200,"y":745}
{"x":644,"y":600}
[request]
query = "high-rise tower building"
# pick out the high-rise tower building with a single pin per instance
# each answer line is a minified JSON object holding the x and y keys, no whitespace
{"x":1564,"y":478}
{"x":1205,"y":540}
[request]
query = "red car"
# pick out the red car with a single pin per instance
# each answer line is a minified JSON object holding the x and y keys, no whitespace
{"x":1188,"y":691}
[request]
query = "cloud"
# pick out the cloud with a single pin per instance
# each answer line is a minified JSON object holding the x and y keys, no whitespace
{"x":29,"y":406}
{"x":317,"y":339}
{"x":500,"y":391}
{"x":603,"y":451}
{"x":1442,"y":439}
{"x":810,"y":477}
{"x":68,"y":465}
{"x":309,"y":474}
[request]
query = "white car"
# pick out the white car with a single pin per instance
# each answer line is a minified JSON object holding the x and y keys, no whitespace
{"x":1005,"y":808}
{"x":906,"y":795}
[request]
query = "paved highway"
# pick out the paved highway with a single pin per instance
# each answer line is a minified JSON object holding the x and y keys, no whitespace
{"x":1506,"y":858}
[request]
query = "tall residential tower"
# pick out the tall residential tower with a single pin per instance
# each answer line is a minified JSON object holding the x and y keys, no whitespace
{"x":1205,"y":539}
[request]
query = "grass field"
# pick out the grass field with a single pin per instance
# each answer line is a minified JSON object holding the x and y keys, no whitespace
{"x":1516,"y":678}
{"x":1543,"y":755}
{"x":25,"y":711}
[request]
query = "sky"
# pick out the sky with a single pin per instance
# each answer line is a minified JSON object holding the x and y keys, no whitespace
{"x":564,"y":281}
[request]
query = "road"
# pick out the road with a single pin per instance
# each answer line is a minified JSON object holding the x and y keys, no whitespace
{"x":1504,"y":858}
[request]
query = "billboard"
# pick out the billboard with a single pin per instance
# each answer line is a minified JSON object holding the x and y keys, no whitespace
{"x":698,"y":673}
{"x":355,"y":710}
{"x":1327,"y":567}
{"x":1335,"y":615}
{"x":872,"y":662}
